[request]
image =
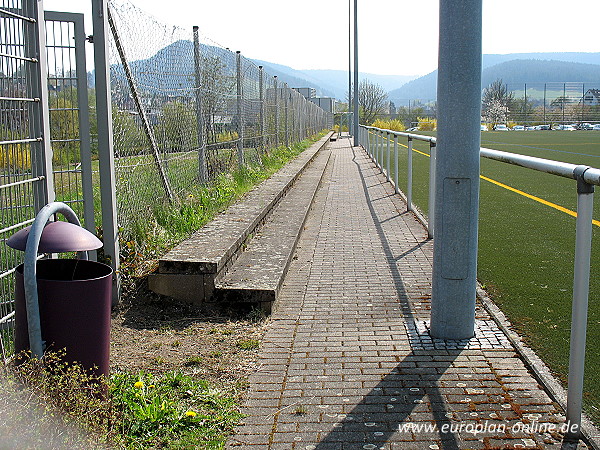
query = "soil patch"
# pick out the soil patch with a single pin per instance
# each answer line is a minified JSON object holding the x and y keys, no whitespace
{"x":157,"y":334}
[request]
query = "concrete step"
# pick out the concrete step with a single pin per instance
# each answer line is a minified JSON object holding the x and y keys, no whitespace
{"x":257,"y":275}
{"x":188,"y":271}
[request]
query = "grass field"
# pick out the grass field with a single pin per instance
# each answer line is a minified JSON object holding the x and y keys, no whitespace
{"x":526,"y":249}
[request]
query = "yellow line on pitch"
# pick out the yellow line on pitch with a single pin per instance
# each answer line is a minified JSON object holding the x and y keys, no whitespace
{"x":524,"y":194}
{"x":537,"y":199}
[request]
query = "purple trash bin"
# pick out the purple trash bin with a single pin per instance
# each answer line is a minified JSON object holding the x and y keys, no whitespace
{"x":75,"y":303}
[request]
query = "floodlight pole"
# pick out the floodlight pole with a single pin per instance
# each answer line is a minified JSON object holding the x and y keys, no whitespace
{"x":349,"y":67}
{"x":356,"y":118}
{"x":457,"y":170}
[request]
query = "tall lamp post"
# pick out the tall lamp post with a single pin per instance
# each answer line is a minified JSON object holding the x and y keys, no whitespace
{"x":356,"y":118}
{"x":349,"y":67}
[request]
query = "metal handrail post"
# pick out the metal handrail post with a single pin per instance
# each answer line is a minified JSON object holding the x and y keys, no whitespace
{"x":581,"y":286}
{"x":380,"y":150}
{"x":409,"y":177}
{"x":389,"y":155}
{"x":431,"y":209}
{"x":397,"y":189}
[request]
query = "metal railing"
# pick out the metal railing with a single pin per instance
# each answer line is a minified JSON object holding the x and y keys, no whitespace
{"x":377,"y":142}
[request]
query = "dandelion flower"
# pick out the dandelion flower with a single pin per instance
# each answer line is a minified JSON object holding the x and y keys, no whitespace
{"x":190,"y":414}
{"x":138,"y":384}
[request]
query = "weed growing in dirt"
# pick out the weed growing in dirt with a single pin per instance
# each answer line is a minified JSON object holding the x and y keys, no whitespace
{"x":54,"y":404}
{"x":248,"y":344}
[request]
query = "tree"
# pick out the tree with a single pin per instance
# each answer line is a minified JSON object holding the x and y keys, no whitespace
{"x":217,"y":87}
{"x":176,"y":130}
{"x":372,"y":101}
{"x":496,"y":102}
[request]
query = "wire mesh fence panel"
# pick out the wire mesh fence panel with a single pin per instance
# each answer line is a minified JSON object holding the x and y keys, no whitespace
{"x":554,"y":103}
{"x":24,"y":186}
{"x":186,"y":110}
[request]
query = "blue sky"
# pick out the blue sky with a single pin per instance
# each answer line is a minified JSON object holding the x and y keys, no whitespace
{"x":396,"y":37}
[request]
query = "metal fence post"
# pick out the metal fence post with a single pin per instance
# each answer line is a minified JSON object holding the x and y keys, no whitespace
{"x":285,"y":111}
{"x":39,"y":123}
{"x":240,"y":121}
{"x":261,"y":113}
{"x":105,"y":143}
{"x":581,"y":286}
{"x":409,"y":176}
{"x":202,"y":167}
{"x":276,"y":112}
{"x":454,"y":279}
{"x":432,"y":189}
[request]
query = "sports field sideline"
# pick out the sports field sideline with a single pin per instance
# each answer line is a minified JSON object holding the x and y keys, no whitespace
{"x":527,"y":242}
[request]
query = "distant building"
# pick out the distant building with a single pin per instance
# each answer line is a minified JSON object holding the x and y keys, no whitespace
{"x":307,"y":92}
{"x":326,"y":103}
{"x":592,"y":97}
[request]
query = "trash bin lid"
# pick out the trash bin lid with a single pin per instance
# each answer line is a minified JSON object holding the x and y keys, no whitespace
{"x":58,"y":237}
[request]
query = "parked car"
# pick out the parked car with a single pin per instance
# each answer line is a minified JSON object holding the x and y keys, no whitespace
{"x":531,"y":128}
{"x":500,"y":127}
{"x":587,"y":126}
{"x":565,"y":127}
{"x":518,"y":128}
{"x":412,"y":129}
{"x":596,"y":127}
{"x":544,"y":127}
{"x":484,"y":127}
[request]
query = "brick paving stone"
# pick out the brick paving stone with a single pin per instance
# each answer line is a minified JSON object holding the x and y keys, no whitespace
{"x":348,"y":352}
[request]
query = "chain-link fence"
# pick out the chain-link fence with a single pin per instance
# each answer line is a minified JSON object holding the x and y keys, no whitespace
{"x":186,"y":110}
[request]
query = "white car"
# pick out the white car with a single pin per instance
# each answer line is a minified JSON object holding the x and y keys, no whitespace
{"x":568,"y":128}
{"x":518,"y":128}
{"x":484,"y":127}
{"x":596,"y":127}
{"x":501,"y":127}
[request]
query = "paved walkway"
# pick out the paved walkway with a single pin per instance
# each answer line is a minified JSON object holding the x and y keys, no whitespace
{"x":347,"y":362}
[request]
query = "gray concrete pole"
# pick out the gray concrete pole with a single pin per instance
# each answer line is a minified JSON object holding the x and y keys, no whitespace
{"x":356,"y":117}
{"x":457,"y":169}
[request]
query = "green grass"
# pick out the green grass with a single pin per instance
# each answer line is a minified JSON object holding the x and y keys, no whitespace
{"x":526,"y":249}
{"x":170,"y":411}
{"x":59,"y":405}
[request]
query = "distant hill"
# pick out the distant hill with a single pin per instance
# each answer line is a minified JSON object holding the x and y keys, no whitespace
{"x":576,"y":57}
{"x":338,"y":79}
{"x":179,"y":57}
{"x":296,"y":78}
{"x":513,"y":71}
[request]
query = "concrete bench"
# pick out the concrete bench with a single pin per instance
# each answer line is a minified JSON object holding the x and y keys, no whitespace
{"x":188,"y":272}
{"x":257,"y":275}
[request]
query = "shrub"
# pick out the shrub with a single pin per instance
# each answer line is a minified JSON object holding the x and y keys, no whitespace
{"x":427,"y":124}
{"x":392,"y":125}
